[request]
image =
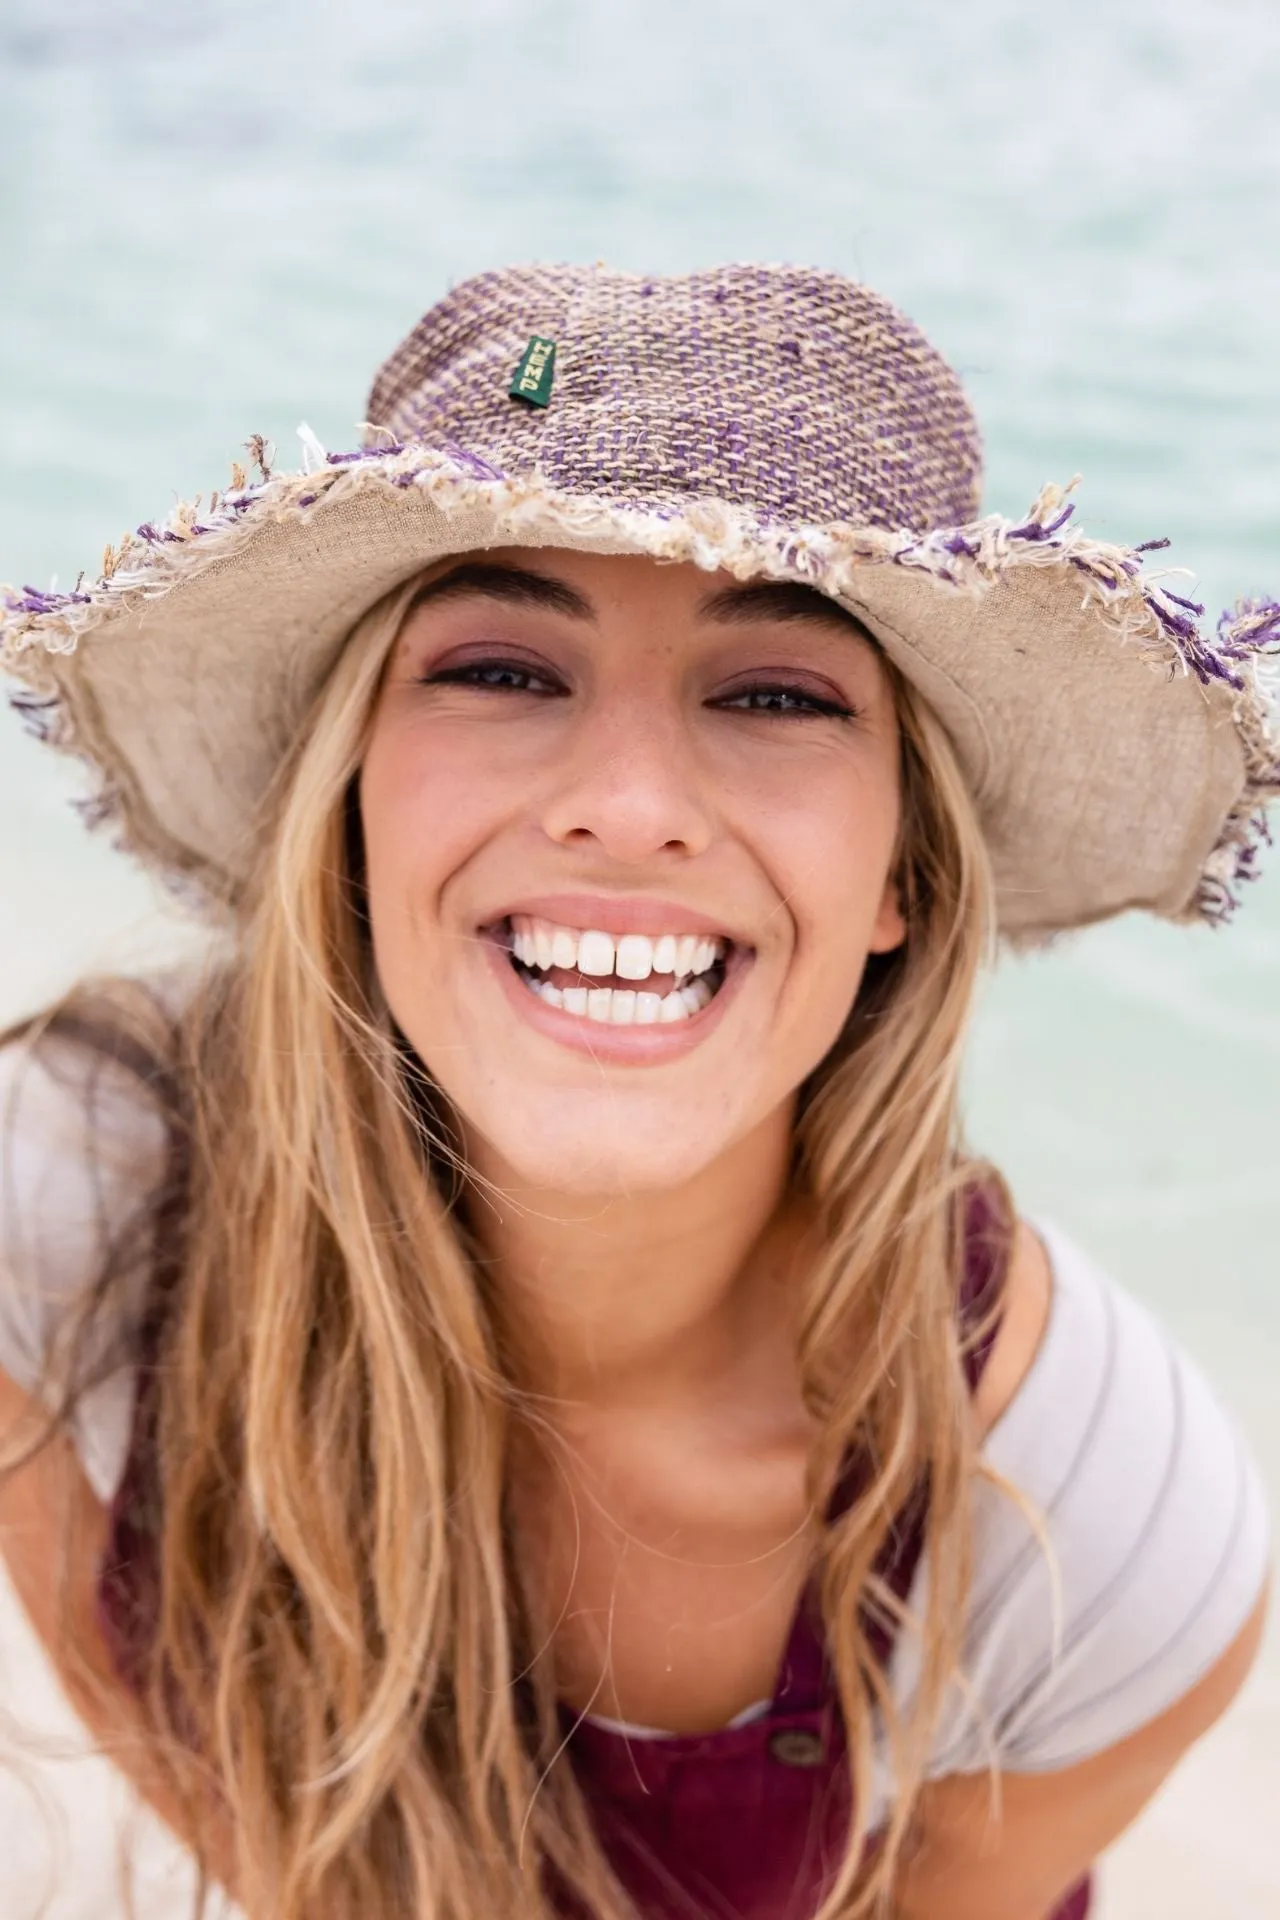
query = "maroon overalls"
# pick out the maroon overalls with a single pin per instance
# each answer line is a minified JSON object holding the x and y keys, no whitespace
{"x":745,"y":1823}
{"x":748,"y":1823}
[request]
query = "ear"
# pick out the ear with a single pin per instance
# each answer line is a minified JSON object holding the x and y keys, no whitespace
{"x":889,"y":928}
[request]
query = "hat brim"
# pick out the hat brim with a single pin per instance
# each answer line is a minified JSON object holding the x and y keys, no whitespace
{"x":1118,"y":758}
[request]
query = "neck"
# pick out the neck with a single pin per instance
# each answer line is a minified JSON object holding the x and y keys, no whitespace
{"x":613,"y":1302}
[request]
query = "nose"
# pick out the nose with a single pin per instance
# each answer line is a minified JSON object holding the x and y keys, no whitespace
{"x":630,"y":784}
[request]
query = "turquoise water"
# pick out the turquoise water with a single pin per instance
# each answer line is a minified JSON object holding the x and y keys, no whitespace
{"x":216,"y":221}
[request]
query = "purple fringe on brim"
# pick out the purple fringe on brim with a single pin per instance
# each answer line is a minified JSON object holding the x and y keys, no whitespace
{"x":148,"y":560}
{"x":1246,"y":634}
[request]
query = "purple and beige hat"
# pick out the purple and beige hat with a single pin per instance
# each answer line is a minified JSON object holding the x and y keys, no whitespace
{"x":773,"y":421}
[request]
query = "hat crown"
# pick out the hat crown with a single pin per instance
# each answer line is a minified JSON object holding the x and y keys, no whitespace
{"x":799,"y":396}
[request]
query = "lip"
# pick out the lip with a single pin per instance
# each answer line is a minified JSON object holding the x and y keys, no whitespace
{"x":613,"y":914}
{"x":626,"y":1046}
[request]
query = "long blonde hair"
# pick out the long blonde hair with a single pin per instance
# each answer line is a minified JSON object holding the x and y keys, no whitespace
{"x":344,"y":1675}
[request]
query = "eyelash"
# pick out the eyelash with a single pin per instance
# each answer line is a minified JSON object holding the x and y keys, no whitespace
{"x":473,"y":672}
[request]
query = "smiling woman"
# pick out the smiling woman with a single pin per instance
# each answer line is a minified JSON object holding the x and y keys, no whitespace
{"x":627,"y":766}
{"x":521,"y":1400}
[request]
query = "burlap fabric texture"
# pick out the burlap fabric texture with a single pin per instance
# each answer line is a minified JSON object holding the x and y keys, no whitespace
{"x":772,"y":421}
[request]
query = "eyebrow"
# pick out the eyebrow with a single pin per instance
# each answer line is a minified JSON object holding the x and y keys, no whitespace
{"x":517,"y":586}
{"x":736,"y":605}
{"x":776,"y":600}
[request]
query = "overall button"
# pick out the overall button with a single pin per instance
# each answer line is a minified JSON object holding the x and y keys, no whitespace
{"x":797,"y":1747}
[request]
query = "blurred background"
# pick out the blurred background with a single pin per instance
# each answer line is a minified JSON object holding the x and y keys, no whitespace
{"x":217,"y":220}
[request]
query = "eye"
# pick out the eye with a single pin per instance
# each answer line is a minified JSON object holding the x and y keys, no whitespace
{"x":493,"y":675}
{"x":789,"y":702}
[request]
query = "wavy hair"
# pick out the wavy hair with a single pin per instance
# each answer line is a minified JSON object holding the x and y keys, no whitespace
{"x":338,"y":1654}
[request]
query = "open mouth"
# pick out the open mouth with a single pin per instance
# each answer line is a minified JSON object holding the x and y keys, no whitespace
{"x":618,"y":980}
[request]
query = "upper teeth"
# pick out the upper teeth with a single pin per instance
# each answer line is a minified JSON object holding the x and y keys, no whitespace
{"x":630,"y":956}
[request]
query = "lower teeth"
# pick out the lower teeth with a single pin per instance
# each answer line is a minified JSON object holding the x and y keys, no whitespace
{"x":621,"y":1006}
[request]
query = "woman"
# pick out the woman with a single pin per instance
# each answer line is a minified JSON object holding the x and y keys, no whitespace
{"x":542,"y":1413}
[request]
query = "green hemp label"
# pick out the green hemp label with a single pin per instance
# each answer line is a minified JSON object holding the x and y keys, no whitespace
{"x":537,"y":369}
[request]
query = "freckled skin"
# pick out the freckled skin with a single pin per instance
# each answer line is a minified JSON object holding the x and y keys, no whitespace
{"x":627,"y":774}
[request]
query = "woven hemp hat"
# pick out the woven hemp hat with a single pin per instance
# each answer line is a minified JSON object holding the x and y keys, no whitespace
{"x":773,"y":421}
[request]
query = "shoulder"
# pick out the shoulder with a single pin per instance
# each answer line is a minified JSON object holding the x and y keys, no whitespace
{"x":1025,"y":1304}
{"x":83,"y":1151}
{"x":81,"y":1147}
{"x":1121,"y":1533}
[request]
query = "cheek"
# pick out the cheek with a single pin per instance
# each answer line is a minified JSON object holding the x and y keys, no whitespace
{"x":396,"y":801}
{"x":422,"y":822}
{"x":830,"y":847}
{"x":831,"y":843}
{"x":425,"y":806}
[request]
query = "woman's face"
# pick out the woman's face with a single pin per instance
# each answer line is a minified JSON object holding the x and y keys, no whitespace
{"x":629,"y":829}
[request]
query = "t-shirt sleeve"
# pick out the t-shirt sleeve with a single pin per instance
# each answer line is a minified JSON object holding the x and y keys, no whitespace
{"x":1149,"y":1548}
{"x":81,"y":1151}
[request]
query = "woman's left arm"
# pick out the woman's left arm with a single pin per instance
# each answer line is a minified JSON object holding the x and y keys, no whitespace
{"x":1010,"y":1848}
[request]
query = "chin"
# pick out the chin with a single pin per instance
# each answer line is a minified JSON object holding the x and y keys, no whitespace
{"x":606,"y":1154}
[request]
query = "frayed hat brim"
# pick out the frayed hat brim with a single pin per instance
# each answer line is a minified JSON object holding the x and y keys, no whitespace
{"x":1120,"y":756}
